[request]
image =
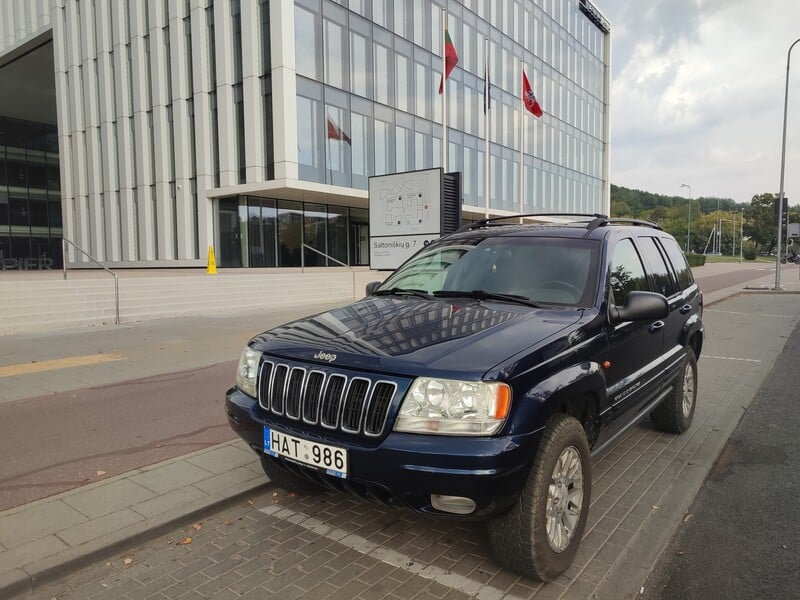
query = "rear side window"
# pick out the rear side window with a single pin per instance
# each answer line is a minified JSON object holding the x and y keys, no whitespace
{"x":627,"y":272}
{"x":657,"y":265}
{"x":678,"y":260}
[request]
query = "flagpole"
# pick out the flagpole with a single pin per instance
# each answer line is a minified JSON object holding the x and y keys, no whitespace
{"x":444,"y":91}
{"x":486,"y":119}
{"x":521,"y":144}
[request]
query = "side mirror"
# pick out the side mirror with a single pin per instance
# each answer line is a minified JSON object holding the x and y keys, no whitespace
{"x":372,"y":286}
{"x":640,"y":306}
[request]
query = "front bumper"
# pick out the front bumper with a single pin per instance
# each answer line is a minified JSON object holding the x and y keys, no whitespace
{"x":403,"y":468}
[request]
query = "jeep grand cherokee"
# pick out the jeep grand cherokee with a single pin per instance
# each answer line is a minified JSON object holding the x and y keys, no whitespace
{"x":479,"y":379}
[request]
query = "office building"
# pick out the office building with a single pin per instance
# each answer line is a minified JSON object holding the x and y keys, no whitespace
{"x":146,"y":131}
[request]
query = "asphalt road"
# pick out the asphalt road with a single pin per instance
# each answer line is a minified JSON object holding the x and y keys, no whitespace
{"x":58,"y":442}
{"x":64,"y":440}
{"x":741,"y":537}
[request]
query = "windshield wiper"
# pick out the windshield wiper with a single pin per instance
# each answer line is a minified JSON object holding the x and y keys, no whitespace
{"x":396,"y":291}
{"x":484,"y":295}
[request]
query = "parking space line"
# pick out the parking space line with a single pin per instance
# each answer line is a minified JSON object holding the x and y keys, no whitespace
{"x":752,"y":360}
{"x":59,"y":363}
{"x":386,"y":555}
{"x":746,"y":314}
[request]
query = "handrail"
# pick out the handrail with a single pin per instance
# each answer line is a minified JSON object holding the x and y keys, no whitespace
{"x":352,"y":270}
{"x":65,"y":241}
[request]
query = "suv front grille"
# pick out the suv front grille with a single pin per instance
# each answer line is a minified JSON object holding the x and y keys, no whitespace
{"x":355,"y":405}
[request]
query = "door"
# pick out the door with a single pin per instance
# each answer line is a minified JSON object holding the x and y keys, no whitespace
{"x":632,"y":379}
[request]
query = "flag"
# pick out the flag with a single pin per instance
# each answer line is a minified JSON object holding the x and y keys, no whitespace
{"x":528,"y":99}
{"x":450,"y":59}
{"x":335,"y":133}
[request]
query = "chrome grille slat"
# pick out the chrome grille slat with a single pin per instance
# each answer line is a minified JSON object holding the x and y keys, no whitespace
{"x":357,"y":405}
{"x":278,"y":388}
{"x":294,"y":392}
{"x":353,"y":405}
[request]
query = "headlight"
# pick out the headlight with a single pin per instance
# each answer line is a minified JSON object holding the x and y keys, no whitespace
{"x":448,"y":407}
{"x":247,"y":371}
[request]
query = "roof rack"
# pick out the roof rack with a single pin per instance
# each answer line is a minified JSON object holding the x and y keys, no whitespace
{"x":586,"y":218}
{"x":602,"y":220}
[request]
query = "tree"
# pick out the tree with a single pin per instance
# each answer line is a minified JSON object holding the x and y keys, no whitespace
{"x":759,"y":223}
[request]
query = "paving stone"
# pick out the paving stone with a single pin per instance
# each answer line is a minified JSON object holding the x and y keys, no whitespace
{"x":172,"y":476}
{"x":23,"y":526}
{"x":90,"y":530}
{"x":169,"y":501}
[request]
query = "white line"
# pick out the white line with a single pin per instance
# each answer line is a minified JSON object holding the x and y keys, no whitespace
{"x":385,"y":555}
{"x":746,"y":314}
{"x":752,"y":360}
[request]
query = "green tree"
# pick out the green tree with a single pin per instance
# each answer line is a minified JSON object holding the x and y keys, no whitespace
{"x":759,"y":220}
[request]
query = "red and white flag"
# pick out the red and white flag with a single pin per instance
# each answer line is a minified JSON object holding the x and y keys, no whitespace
{"x":335,"y":132}
{"x":529,"y":99}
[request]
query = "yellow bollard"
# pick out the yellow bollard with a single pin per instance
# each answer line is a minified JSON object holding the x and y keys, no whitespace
{"x":211,"y":269}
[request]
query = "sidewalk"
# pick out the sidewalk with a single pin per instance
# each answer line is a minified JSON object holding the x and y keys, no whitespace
{"x":50,"y":538}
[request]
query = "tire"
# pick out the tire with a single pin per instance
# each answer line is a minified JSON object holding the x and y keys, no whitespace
{"x":519,"y":539}
{"x":675,"y":413}
{"x":287,"y":480}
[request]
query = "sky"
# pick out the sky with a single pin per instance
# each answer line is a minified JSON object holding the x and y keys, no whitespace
{"x":697,"y":96}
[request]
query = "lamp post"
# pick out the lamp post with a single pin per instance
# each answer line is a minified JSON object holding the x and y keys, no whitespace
{"x":783,"y":169}
{"x":689,"y":220}
{"x":741,"y":238}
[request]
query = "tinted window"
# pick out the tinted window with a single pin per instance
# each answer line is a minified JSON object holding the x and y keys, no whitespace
{"x":627,"y":272}
{"x":657,"y":265}
{"x":543,"y":269}
{"x":678,"y":260}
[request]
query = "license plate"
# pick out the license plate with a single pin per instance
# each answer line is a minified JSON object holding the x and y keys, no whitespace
{"x":330,"y":459}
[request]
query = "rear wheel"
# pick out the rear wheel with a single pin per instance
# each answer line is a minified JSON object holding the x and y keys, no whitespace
{"x":540,"y":535}
{"x":289,"y":481}
{"x":675,"y":414}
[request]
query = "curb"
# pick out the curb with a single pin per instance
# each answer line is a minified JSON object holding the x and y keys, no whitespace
{"x":25,"y":580}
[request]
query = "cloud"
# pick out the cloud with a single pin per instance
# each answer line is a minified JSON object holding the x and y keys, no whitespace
{"x":697,"y":95}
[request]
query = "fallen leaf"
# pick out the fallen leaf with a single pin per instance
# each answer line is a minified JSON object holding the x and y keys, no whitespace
{"x":186,"y":541}
{"x":680,"y":553}
{"x":274,"y":494}
{"x":250,"y":503}
{"x":197,"y":526}
{"x":101,"y":473}
{"x":169,"y":540}
{"x":128,"y":561}
{"x":655,"y":507}
{"x":226,"y":522}
{"x":687,"y":517}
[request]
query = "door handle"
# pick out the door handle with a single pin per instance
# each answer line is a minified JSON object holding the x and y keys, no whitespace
{"x":657,"y":326}
{"x":685,"y":308}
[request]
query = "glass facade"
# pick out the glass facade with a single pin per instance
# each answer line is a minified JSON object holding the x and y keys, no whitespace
{"x":269,"y":232}
{"x":30,"y":196}
{"x":373,"y":69}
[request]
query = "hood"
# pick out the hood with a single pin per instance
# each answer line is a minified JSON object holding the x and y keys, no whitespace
{"x":409,"y":335}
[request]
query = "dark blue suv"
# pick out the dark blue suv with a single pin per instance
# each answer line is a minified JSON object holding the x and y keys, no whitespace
{"x":480,"y":378}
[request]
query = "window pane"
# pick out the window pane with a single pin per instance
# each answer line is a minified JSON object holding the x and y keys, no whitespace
{"x":337,"y":234}
{"x":678,"y":260}
{"x":658,"y":268}
{"x":314,"y":225}
{"x":358,"y":65}
{"x":334,"y":54}
{"x":306,"y":37}
{"x":627,"y":272}
{"x":290,"y":233}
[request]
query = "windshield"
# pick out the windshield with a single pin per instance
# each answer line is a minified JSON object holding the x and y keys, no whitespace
{"x":544,"y":270}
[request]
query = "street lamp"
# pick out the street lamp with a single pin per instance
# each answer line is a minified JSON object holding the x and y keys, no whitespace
{"x":689,"y":223}
{"x":783,"y":168}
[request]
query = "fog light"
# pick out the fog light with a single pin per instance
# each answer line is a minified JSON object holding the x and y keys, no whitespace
{"x":457,"y":505}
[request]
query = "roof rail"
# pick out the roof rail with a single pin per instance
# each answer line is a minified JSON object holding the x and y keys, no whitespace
{"x":601,"y":221}
{"x":586,"y":218}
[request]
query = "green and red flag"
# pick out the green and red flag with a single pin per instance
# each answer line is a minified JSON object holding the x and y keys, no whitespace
{"x":528,"y":99}
{"x":450,"y":59}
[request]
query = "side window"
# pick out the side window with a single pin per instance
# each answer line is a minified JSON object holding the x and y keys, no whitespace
{"x":658,"y":267}
{"x":678,"y":260}
{"x":627,"y":272}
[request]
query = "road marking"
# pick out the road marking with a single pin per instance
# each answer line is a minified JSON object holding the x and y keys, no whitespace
{"x":59,"y":363}
{"x":752,"y":360}
{"x":746,"y":314}
{"x":385,"y":555}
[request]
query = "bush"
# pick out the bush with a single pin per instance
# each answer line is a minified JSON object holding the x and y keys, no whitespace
{"x":696,"y":260}
{"x":749,"y":252}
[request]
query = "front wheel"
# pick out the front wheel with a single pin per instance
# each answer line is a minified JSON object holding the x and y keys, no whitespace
{"x":675,"y":414}
{"x":539,"y":536}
